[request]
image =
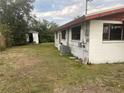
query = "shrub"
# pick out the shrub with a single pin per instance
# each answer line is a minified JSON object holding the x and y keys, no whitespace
{"x":5,"y":37}
{"x":19,"y":39}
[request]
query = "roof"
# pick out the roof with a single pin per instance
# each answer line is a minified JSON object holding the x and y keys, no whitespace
{"x":103,"y":15}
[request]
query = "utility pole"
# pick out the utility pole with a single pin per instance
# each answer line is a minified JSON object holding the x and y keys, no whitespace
{"x":86,"y":11}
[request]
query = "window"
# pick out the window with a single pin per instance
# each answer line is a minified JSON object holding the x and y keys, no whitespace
{"x":113,"y":32}
{"x":64,"y":34}
{"x":76,"y":33}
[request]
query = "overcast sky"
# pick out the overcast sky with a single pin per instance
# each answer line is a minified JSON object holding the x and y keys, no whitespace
{"x":62,"y":11}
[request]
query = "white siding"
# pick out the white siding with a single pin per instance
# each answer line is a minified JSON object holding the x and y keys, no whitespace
{"x":57,"y":44}
{"x":73,"y":44}
{"x":64,"y":41}
{"x":35,"y":38}
{"x":101,"y":51}
{"x":27,"y":38}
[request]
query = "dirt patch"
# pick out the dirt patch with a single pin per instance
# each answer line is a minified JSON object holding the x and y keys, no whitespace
{"x":19,"y":58}
{"x":89,"y":87}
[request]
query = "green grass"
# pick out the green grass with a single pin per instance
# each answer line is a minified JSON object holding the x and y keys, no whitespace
{"x":40,"y":69}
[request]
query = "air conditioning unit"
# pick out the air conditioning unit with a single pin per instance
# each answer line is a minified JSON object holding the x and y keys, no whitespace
{"x":65,"y":49}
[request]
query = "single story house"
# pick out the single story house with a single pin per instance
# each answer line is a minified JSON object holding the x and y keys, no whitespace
{"x":95,"y":38}
{"x":32,"y":37}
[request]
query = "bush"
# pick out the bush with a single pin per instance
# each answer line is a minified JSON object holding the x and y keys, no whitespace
{"x":4,"y":36}
{"x":19,"y":39}
{"x":46,"y":37}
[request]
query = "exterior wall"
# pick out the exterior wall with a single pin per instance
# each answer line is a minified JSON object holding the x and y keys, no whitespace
{"x":27,"y":38}
{"x":57,"y":40}
{"x":73,"y":44}
{"x":64,"y":41}
{"x":104,"y":51}
{"x":35,"y":38}
{"x":76,"y":50}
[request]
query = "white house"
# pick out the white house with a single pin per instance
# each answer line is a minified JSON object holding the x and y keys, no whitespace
{"x":95,"y":38}
{"x":33,"y":37}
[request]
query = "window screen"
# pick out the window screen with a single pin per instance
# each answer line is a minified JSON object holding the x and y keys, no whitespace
{"x":64,"y":34}
{"x":76,"y":33}
{"x":113,"y":32}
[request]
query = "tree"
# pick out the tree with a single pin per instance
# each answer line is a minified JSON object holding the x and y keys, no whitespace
{"x":46,"y":30}
{"x":4,"y":36}
{"x":16,"y":14}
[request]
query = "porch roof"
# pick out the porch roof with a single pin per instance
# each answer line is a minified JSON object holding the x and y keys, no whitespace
{"x":113,"y":14}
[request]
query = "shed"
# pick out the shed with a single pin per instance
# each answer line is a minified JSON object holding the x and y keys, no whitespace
{"x":32,"y":37}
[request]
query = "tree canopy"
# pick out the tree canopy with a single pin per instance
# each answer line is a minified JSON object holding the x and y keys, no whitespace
{"x":16,"y":14}
{"x":46,"y":30}
{"x":16,"y":19}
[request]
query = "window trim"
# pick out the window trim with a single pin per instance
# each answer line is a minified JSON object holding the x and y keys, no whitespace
{"x":113,"y":41}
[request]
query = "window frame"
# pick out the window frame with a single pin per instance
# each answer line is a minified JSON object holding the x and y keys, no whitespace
{"x":109,"y":33}
{"x":80,"y":33}
{"x":63,"y":35}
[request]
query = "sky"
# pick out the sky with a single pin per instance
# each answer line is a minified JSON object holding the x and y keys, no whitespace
{"x":63,"y":11}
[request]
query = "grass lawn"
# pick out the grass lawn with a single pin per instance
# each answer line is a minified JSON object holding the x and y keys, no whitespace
{"x":40,"y":69}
